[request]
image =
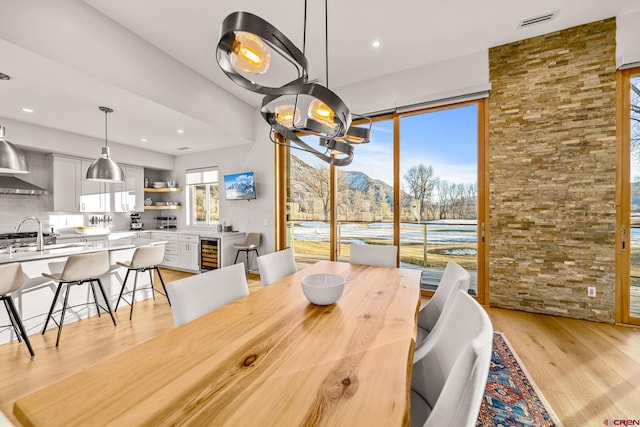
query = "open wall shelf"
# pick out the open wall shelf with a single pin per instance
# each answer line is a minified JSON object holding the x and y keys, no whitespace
{"x":161,"y":207}
{"x":162,"y":190}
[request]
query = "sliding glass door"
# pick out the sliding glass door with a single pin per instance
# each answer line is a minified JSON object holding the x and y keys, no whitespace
{"x":439,"y":191}
{"x":416,"y":185}
{"x":628,"y":239}
{"x":364,"y":198}
{"x":308,"y":210}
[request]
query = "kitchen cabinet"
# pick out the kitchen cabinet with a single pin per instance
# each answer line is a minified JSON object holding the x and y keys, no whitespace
{"x":81,"y":239}
{"x":71,"y":191}
{"x":129,"y":195}
{"x":171,"y":249}
{"x":66,"y":183}
{"x":94,"y":196}
{"x":182,"y":251}
{"x":189,"y":252}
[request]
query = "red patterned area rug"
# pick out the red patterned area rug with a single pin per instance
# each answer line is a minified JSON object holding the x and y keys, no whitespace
{"x":511,"y":397}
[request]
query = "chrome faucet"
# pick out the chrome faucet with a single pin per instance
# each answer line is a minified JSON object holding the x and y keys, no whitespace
{"x":39,"y":238}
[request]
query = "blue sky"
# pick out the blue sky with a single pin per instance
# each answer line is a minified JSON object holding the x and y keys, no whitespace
{"x":445,"y":139}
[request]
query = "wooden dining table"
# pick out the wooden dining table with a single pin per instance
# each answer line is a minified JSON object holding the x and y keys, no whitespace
{"x":268,"y":359}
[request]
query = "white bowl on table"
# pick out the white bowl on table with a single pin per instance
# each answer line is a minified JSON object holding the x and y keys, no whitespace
{"x":323,"y":289}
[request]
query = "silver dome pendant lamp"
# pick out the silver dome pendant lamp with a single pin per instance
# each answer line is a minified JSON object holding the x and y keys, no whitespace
{"x":12,"y":159}
{"x":104,"y":169}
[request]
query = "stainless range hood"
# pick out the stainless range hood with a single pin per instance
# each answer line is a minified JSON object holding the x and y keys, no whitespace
{"x":13,"y":185}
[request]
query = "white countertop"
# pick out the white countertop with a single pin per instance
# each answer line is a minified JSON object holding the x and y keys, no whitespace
{"x":65,"y":249}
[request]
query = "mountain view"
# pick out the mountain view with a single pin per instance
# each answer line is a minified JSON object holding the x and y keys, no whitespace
{"x":362,"y":198}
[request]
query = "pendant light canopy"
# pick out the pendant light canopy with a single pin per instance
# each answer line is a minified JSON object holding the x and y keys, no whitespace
{"x":256,"y":55}
{"x":12,"y":159}
{"x":104,"y":169}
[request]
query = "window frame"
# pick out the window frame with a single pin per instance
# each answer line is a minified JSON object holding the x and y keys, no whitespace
{"x":195,"y":178}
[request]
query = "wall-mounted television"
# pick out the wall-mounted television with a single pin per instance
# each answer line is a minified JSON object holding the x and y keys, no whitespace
{"x":240,"y":186}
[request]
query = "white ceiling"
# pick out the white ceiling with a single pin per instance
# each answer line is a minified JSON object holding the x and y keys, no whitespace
{"x":153,"y":61}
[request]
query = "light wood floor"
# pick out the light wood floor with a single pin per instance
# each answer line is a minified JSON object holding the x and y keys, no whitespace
{"x":587,"y":371}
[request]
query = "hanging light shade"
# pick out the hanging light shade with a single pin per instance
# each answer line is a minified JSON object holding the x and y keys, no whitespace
{"x":249,"y":51}
{"x":244,"y":53}
{"x":12,"y":159}
{"x":322,"y":111}
{"x":104,"y":169}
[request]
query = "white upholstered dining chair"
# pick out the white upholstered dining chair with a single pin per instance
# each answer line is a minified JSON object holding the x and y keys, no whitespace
{"x":378,"y":255}
{"x":200,"y":294}
{"x":276,"y":265}
{"x":454,"y":278}
{"x":450,"y":376}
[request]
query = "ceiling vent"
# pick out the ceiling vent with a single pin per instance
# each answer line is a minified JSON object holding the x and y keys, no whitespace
{"x":183,"y":148}
{"x":538,"y":19}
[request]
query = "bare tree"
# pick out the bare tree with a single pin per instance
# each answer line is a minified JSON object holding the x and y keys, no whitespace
{"x":318,"y":182}
{"x":421,"y":181}
{"x":635,"y":119}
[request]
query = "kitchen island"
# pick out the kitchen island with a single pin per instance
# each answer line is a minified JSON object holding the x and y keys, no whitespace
{"x":33,"y":300}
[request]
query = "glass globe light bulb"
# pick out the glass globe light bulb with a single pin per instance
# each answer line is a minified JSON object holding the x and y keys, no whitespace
{"x":287,"y":114}
{"x":249,"y":53}
{"x":321,"y":112}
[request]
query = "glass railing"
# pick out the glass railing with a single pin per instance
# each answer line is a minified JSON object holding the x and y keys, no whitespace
{"x":427,"y":246}
{"x":309,"y":241}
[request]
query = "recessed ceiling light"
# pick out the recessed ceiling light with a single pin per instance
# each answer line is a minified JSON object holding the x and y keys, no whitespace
{"x":376,"y":43}
{"x":180,"y":131}
{"x":144,"y":140}
{"x":27,"y":109}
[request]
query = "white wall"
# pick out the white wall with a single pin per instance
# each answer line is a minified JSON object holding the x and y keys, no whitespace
{"x":441,"y":80}
{"x":258,"y":157}
{"x":85,"y":40}
{"x":49,"y":140}
{"x":627,"y":36}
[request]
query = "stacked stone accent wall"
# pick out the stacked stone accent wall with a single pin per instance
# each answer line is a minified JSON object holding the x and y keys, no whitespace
{"x":552,"y":145}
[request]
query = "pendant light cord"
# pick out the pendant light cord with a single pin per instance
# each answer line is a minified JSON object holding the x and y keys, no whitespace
{"x":326,"y":41}
{"x":304,"y":30}
{"x":106,"y":140}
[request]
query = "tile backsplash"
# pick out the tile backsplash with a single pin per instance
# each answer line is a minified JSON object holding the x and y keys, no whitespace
{"x":13,"y":207}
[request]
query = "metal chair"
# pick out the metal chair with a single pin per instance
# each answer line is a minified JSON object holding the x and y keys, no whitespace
{"x":12,"y":279}
{"x":80,"y":269}
{"x":250,"y":244}
{"x":145,"y":258}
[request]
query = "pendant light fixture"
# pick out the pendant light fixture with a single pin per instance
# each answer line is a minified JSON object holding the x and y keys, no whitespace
{"x":255,"y":54}
{"x":12,"y":159}
{"x":104,"y":169}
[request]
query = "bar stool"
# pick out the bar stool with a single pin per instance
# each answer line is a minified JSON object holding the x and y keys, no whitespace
{"x":250,"y":244}
{"x":79,"y":269}
{"x":12,"y":279}
{"x":145,"y":258}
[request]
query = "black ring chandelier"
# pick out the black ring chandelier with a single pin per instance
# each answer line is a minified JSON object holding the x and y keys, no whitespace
{"x":293,"y":106}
